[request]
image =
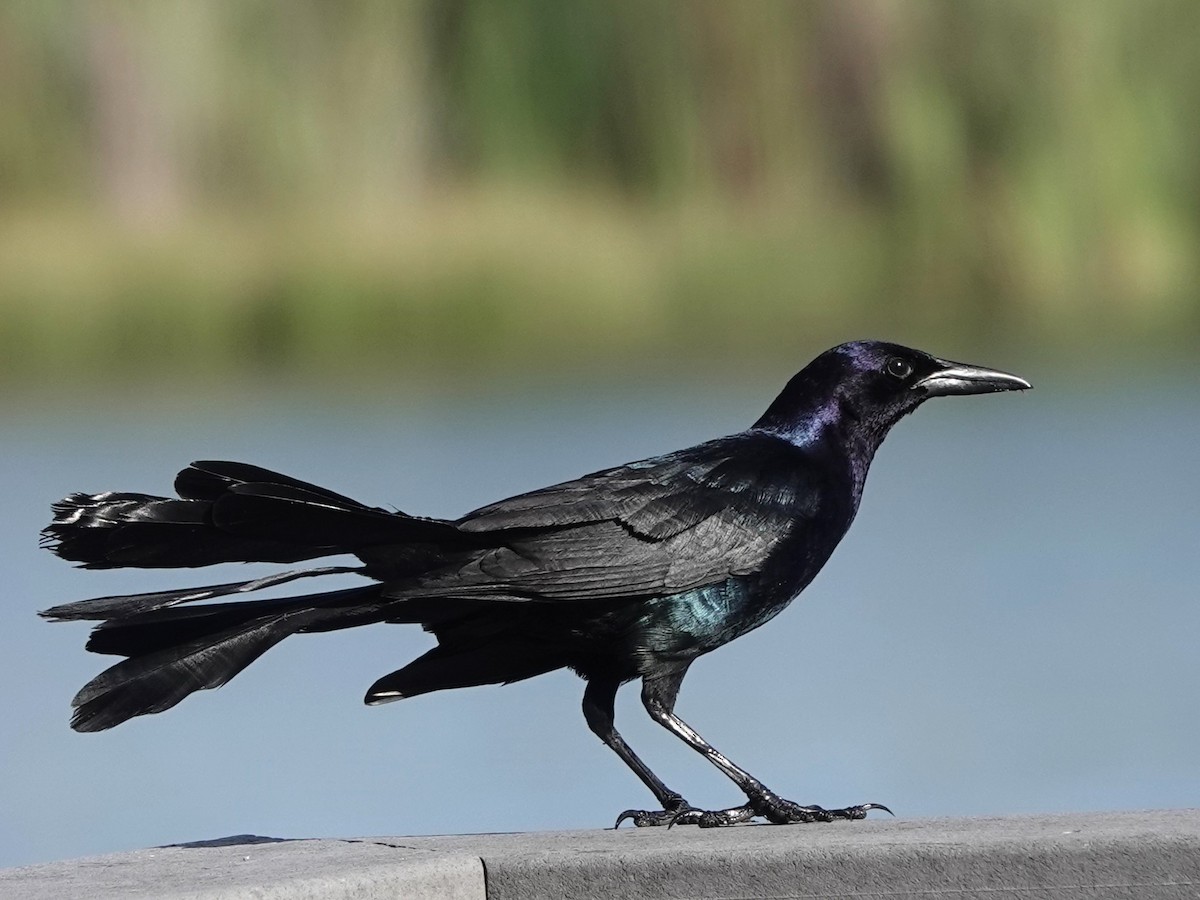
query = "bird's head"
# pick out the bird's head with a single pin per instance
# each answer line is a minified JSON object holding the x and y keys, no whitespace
{"x":863,"y":388}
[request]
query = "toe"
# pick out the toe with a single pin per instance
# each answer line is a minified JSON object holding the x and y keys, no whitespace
{"x":652,"y":818}
{"x":860,"y":811}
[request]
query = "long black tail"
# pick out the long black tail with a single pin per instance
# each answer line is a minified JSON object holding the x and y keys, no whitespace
{"x":173,"y":652}
{"x":225,"y":512}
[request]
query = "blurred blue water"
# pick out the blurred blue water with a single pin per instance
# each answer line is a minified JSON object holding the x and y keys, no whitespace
{"x":1011,"y":625}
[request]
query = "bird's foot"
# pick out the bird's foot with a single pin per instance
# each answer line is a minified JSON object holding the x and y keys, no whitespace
{"x":669,"y":815}
{"x":779,"y":811}
{"x":768,"y":805}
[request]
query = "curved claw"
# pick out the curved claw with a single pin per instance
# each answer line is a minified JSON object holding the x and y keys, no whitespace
{"x":687,"y":815}
{"x":628,"y":814}
{"x":650,"y":818}
{"x":856,"y":812}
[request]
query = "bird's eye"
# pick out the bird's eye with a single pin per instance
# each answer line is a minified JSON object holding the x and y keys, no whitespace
{"x":898,"y":368}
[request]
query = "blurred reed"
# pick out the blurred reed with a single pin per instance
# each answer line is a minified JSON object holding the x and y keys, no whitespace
{"x":230,"y":188}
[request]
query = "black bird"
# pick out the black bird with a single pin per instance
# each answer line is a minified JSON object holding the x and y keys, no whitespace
{"x":631,"y":572}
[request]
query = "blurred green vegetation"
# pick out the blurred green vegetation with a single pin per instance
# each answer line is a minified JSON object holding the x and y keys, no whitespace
{"x":343,"y":190}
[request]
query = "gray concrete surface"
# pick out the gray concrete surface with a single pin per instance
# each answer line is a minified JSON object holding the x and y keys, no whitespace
{"x":1149,"y":855}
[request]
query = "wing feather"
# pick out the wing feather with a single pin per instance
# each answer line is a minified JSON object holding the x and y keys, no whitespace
{"x":662,"y":525}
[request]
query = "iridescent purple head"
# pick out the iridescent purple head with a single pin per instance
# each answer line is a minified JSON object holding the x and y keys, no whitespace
{"x":859,"y":390}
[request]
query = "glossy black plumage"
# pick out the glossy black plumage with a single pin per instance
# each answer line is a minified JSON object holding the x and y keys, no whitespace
{"x":630,"y":572}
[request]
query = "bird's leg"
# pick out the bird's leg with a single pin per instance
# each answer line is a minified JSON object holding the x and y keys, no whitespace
{"x":658,"y":696}
{"x":598,"y":709}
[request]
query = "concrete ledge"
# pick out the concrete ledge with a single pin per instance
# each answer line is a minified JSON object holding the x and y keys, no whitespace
{"x":1096,"y":855}
{"x":254,"y":867}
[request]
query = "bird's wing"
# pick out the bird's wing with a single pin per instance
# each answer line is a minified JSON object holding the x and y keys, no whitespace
{"x":661,"y":525}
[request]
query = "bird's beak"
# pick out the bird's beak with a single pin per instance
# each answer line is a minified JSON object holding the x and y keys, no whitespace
{"x":959,"y":378}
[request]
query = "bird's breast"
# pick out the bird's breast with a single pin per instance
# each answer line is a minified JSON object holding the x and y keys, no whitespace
{"x":692,"y":622}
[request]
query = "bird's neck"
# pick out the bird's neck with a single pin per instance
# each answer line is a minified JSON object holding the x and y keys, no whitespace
{"x":833,"y":429}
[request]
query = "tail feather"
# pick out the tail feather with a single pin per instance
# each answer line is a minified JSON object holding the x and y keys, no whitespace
{"x":273,"y":512}
{"x":100,"y":608}
{"x":157,"y":681}
{"x":227,"y":512}
{"x":209,"y":479}
{"x":161,"y":629}
{"x":173,"y":652}
{"x":111,"y":530}
{"x":449,"y":666}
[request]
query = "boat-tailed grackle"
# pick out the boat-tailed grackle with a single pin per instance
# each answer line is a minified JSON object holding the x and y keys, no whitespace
{"x":631,"y":572}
